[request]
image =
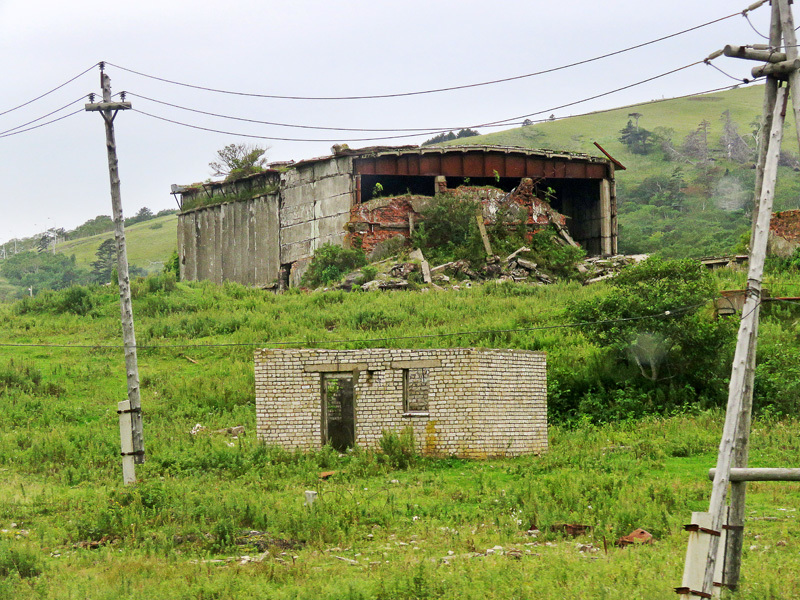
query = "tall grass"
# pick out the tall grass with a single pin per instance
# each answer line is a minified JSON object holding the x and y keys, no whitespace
{"x":207,"y":497}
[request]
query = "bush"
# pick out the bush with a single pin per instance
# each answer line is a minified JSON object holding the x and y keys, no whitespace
{"x":400,"y":449}
{"x":331,"y":263}
{"x":449,"y":230}
{"x":16,"y":560}
{"x":660,"y":351}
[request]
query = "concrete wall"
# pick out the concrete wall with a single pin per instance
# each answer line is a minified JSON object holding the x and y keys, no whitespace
{"x":234,"y":241}
{"x":315,"y":209}
{"x":482,"y":403}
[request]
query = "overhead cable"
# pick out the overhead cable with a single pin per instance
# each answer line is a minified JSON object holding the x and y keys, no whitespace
{"x":430,"y":91}
{"x":2,"y":133}
{"x":424,"y":130}
{"x":80,"y":110}
{"x":498,"y":123}
{"x":58,"y":87}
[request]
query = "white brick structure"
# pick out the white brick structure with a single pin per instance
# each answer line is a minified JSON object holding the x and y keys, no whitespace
{"x":465,"y":402}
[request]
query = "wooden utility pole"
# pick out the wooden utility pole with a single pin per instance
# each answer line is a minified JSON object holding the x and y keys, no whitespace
{"x":132,"y":408}
{"x":733,"y":449}
{"x":741,"y":449}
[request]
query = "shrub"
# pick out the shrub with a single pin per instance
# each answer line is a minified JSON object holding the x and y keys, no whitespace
{"x":173,"y":265}
{"x":449,"y":230}
{"x":331,"y":263}
{"x":18,"y":560}
{"x":660,"y":351}
{"x":400,"y":449}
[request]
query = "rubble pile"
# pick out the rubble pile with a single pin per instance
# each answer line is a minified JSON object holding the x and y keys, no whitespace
{"x":415,"y":271}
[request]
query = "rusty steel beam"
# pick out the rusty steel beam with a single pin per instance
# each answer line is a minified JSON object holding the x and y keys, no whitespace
{"x":481,"y":164}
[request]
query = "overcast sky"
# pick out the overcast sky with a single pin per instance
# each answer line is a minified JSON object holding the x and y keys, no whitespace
{"x":56,"y":175}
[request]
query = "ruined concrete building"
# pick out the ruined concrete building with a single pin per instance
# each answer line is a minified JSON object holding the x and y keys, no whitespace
{"x":465,"y":402}
{"x":264,"y":229}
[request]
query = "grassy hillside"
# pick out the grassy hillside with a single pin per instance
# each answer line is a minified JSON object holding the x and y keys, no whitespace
{"x":68,"y":528}
{"x":149,"y":244}
{"x":577,"y":134}
{"x":714,"y":198}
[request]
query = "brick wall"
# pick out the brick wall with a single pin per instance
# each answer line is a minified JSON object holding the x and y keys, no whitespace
{"x":481,"y":403}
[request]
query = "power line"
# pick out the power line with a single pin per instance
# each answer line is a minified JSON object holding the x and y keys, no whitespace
{"x":276,"y":124}
{"x":281,"y":139}
{"x":58,"y":87}
{"x":2,"y":133}
{"x":659,"y":315}
{"x":499,"y":123}
{"x":710,"y":64}
{"x":80,"y":110}
{"x":430,"y":91}
{"x":595,"y":97}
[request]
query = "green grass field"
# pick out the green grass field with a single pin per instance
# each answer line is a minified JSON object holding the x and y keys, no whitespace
{"x":70,"y":529}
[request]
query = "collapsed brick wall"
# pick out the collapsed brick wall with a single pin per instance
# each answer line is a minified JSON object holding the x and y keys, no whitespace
{"x":481,"y":403}
{"x":381,"y":219}
{"x":784,"y":233}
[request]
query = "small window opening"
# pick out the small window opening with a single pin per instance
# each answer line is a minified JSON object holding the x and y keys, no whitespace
{"x":416,"y":390}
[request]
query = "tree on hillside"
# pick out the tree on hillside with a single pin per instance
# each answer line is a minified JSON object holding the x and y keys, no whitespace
{"x":662,"y":138}
{"x":695,"y":145}
{"x":144,"y":214}
{"x":733,"y":144}
{"x":42,"y":271}
{"x":449,"y":136}
{"x":100,"y":224}
{"x":237,"y":160}
{"x":105,"y":259}
{"x":636,"y":139}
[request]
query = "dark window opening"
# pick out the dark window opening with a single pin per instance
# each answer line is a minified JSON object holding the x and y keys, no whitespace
{"x":504,"y":183}
{"x":386,"y":186}
{"x":416,"y":390}
{"x":338,"y":411}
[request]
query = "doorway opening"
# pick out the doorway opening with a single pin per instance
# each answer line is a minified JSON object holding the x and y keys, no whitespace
{"x":338,"y":411}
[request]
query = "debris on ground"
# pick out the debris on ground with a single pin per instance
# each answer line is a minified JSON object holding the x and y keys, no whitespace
{"x":233,"y":432}
{"x":572,"y":529}
{"x":518,"y":267}
{"x":637,"y":536}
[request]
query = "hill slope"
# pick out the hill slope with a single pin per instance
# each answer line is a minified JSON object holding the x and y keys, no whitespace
{"x":669,"y":201}
{"x":149,"y":244}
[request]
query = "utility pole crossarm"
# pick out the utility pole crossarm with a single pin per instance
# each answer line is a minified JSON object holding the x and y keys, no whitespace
{"x":107,"y":106}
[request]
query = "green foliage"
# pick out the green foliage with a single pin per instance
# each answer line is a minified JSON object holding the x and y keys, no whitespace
{"x":662,"y":349}
{"x":238,"y":160}
{"x":199,"y":200}
{"x":43,"y":271}
{"x":105,"y":261}
{"x":368,"y":273}
{"x":76,"y":300}
{"x":636,"y":139}
{"x":449,"y":230}
{"x":18,"y":560}
{"x":450,"y":136}
{"x":173,"y":265}
{"x":331,"y":263}
{"x":661,"y":190}
{"x":144,"y":214}
{"x":209,"y":497}
{"x":552,"y":257}
{"x":399,"y":449}
{"x":100,"y":224}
